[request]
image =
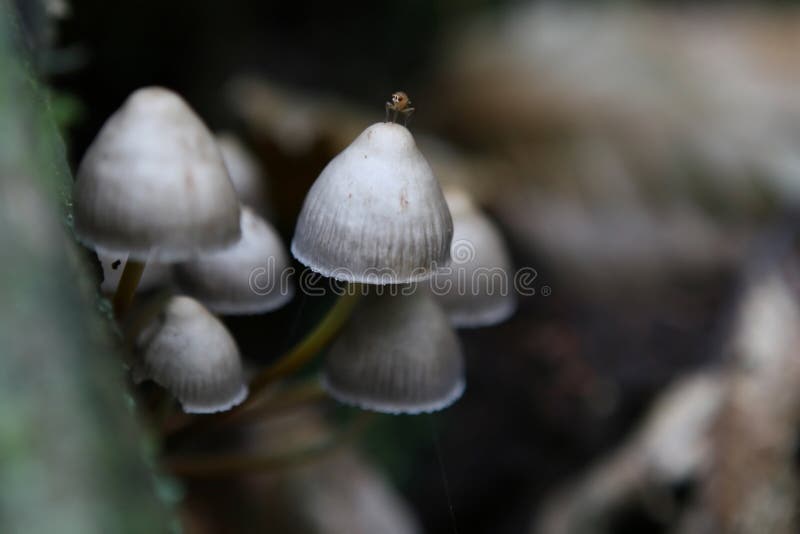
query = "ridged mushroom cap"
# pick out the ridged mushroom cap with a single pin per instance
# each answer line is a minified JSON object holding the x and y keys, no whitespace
{"x":246,"y":278}
{"x":477,"y":288}
{"x":189,"y":352}
{"x":397,"y":354}
{"x":376,"y":213}
{"x":246,"y":175}
{"x":153,"y":183}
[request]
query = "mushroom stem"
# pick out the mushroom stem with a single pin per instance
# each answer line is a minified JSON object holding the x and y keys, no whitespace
{"x":239,"y":464}
{"x":126,"y":288}
{"x":309,"y":347}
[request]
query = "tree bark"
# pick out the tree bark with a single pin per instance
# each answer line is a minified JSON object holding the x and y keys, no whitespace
{"x":73,"y":458}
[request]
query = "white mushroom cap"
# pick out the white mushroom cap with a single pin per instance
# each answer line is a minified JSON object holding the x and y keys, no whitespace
{"x":477,"y":288}
{"x":154,"y":275}
{"x":247,"y":278}
{"x":398,"y":354}
{"x":153,"y":183}
{"x":245,"y":172}
{"x":189,"y":352}
{"x":376,"y":213}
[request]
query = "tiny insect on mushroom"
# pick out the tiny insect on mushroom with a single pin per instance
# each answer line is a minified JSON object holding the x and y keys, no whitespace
{"x":188,"y":351}
{"x":398,"y":354}
{"x":399,"y":104}
{"x":376,"y":213}
{"x":153,"y":186}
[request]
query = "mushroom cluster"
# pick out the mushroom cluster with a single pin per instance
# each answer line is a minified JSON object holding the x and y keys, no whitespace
{"x":158,"y":193}
{"x":153,"y":185}
{"x":376,"y":216}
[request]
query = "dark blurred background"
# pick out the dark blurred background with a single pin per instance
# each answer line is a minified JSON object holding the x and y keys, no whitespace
{"x":571,"y":374}
{"x":363,"y":52}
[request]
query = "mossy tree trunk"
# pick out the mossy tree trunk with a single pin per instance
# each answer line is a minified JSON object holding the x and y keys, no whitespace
{"x":72,"y":457}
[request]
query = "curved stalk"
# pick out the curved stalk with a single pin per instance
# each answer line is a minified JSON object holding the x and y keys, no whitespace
{"x":309,"y":347}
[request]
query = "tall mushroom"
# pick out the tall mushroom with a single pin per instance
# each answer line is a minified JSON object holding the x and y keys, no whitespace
{"x":376,"y":213}
{"x":153,"y":186}
{"x":248,"y":278}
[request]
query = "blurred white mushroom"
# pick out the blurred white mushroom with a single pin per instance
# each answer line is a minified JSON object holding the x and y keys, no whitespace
{"x":249,"y":277}
{"x":476,"y":289}
{"x":337,"y":491}
{"x":245,"y":172}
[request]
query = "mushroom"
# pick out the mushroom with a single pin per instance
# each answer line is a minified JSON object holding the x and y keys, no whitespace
{"x":153,"y":185}
{"x":189,"y":352}
{"x":398,"y":354}
{"x":247,"y":278}
{"x":245,"y":172}
{"x":476,"y":289}
{"x":376,"y":213}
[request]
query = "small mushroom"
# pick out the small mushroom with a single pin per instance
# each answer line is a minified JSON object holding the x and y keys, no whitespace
{"x":245,"y":172}
{"x":247,"y":278}
{"x":477,"y":288}
{"x":375,"y":214}
{"x":398,"y":354}
{"x":189,"y":352}
{"x":153,"y":183}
